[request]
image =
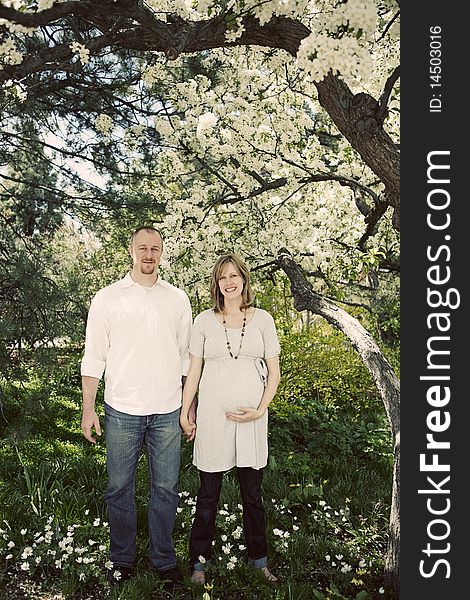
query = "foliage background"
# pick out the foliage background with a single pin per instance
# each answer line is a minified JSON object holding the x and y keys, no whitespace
{"x":224,"y":147}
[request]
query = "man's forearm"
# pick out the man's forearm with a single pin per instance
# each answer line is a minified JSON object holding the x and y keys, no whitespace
{"x":89,"y":390}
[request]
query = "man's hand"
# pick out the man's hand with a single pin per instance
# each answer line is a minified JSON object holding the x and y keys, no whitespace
{"x":89,"y":420}
{"x":188,"y":427}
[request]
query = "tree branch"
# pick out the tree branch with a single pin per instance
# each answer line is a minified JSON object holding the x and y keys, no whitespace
{"x":358,"y":117}
{"x":383,"y":101}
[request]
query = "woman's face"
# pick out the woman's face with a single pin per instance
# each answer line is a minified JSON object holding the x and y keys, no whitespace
{"x":230,"y":282}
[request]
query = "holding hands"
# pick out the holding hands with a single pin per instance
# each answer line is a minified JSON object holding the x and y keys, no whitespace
{"x":188,"y":427}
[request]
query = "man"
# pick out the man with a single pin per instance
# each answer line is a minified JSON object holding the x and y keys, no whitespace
{"x":137,"y":334}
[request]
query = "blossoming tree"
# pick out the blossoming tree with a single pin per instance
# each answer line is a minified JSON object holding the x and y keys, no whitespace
{"x":266,"y":127}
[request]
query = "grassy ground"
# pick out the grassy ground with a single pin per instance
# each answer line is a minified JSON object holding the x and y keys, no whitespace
{"x":326,"y":492}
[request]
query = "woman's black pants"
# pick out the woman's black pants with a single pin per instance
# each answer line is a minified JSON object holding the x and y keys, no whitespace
{"x":254,"y":523}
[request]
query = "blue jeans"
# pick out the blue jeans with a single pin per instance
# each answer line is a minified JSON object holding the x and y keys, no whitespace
{"x":125,"y":435}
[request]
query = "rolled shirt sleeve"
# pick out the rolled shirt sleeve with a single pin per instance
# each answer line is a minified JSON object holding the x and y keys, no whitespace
{"x":97,"y":339}
{"x":184,"y":335}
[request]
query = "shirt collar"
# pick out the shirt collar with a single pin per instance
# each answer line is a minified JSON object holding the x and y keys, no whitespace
{"x":127,"y":282}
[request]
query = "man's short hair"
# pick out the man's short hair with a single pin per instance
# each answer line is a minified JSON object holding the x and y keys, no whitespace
{"x":148,"y":228}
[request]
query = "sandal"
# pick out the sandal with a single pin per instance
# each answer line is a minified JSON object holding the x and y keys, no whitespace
{"x":269,"y":576}
{"x":198,"y":577}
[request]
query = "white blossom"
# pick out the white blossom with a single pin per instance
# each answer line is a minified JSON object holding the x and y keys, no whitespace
{"x":104,"y":125}
{"x":9,"y":54}
{"x":205,"y":123}
{"x":81,"y":51}
{"x":44,"y":4}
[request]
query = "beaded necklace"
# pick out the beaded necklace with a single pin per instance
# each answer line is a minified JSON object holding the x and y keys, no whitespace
{"x":229,"y":347}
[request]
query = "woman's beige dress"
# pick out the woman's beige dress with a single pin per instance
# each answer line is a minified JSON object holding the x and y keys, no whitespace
{"x":226,"y":384}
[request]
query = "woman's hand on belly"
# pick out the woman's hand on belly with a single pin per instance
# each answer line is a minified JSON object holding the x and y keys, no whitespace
{"x":244,"y":414}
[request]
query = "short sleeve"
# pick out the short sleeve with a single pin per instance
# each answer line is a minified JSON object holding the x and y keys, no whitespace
{"x":271,"y":342}
{"x":196,"y":346}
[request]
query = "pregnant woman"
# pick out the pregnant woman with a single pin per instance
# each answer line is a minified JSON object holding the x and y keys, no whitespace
{"x":235,"y":346}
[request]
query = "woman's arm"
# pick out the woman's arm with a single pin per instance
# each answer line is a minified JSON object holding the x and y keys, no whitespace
{"x":189,"y":392}
{"x":251,"y":414}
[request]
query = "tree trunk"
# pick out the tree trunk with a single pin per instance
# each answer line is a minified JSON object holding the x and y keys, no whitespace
{"x":385,"y":379}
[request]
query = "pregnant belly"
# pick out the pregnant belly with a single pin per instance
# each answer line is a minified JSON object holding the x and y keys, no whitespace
{"x":227,"y":386}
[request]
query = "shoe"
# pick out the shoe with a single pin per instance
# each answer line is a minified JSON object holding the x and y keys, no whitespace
{"x":118,"y":575}
{"x":171,"y":576}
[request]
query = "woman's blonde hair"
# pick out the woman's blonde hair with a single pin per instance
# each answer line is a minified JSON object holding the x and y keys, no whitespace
{"x":217,"y":296}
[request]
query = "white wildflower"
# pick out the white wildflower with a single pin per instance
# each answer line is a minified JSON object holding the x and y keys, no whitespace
{"x":28,"y":551}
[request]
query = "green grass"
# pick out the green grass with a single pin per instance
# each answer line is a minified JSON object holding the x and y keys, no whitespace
{"x":326,"y":493}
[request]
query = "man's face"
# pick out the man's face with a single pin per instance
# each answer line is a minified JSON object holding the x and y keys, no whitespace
{"x":146,"y":251}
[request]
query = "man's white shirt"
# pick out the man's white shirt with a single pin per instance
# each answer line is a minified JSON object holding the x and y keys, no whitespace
{"x":139,"y":338}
